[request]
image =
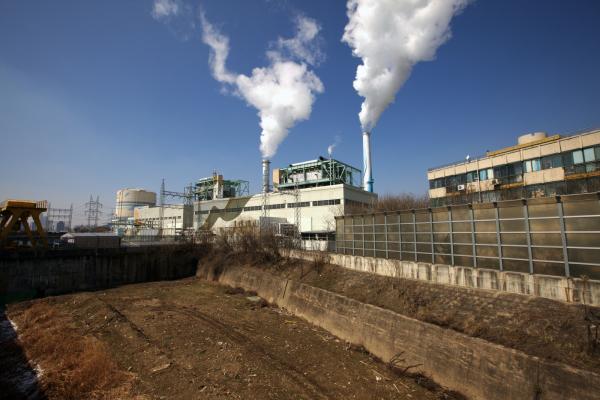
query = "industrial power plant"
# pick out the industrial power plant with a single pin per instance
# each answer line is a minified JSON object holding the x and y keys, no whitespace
{"x":313,"y":279}
{"x":299,"y":200}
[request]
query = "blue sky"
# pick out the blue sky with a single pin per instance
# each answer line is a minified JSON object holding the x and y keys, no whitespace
{"x":95,"y":96}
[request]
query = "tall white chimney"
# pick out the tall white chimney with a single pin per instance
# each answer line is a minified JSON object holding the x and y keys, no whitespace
{"x":368,"y":173}
{"x":265,"y":178}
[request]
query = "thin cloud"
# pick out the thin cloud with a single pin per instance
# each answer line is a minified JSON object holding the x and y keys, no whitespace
{"x":163,"y":9}
{"x":177,"y":15}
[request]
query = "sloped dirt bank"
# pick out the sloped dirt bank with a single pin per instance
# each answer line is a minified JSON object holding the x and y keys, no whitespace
{"x":473,"y":366}
{"x":192,"y":339}
{"x":549,"y":329}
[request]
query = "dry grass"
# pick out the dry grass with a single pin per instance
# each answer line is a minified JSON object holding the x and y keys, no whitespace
{"x":74,"y":366}
{"x":391,"y":202}
{"x":404,"y":201}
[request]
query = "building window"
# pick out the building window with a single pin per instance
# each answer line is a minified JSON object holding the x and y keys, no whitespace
{"x":486,"y":174}
{"x":471,"y":177}
{"x":553,"y":161}
{"x":532,"y":165}
{"x":591,"y":167}
{"x":437,"y":183}
{"x":325,"y":202}
{"x":274,"y":206}
{"x":578,"y":157}
{"x":353,"y":203}
{"x":589,"y":155}
{"x":300,"y":204}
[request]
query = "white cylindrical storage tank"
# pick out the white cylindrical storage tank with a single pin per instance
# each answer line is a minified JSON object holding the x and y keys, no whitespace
{"x":531,"y":137}
{"x":128,"y":199}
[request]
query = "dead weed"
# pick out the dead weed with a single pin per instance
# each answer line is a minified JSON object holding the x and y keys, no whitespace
{"x":73,"y":366}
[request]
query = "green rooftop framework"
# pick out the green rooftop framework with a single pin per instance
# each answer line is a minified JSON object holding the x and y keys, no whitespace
{"x":215,"y":187}
{"x":319,"y":172}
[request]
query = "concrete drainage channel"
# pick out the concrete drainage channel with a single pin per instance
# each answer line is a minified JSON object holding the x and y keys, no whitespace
{"x":472,"y":366}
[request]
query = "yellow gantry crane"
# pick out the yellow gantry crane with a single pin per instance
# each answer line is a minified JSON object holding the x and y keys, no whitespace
{"x":15,"y":214}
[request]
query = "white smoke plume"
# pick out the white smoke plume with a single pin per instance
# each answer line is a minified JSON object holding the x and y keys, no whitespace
{"x":391,"y":36}
{"x":333,"y":145}
{"x":305,"y":45}
{"x":283,"y":92}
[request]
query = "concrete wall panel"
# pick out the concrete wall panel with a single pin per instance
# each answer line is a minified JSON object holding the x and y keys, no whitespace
{"x":472,"y":366}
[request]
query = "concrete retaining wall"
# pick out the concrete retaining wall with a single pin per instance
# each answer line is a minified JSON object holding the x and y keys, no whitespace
{"x":552,"y":287}
{"x":474,"y":367}
{"x":25,"y":276}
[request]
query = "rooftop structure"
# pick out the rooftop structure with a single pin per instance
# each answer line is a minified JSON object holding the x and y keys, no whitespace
{"x":215,"y":187}
{"x":537,"y":166}
{"x":314,"y":173}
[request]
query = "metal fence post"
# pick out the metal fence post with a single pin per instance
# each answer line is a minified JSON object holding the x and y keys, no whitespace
{"x":528,"y":233}
{"x":373,"y":235}
{"x":450,"y":233}
{"x":400,"y":234}
{"x":431,"y":236}
{"x":353,"y":236}
{"x":386,"y":235}
{"x":498,"y":239}
{"x":563,"y":236}
{"x":363,"y":235}
{"x":414,"y":225}
{"x":472,"y":213}
{"x":337,"y":235}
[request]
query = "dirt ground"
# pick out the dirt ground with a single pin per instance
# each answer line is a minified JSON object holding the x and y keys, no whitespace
{"x":192,"y":339}
{"x":541,"y":327}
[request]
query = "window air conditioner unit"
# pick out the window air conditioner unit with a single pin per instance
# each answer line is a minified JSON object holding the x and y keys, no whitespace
{"x":461,"y":187}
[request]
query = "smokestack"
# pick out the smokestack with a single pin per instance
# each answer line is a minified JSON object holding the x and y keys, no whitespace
{"x":265,"y":178}
{"x":368,"y":176}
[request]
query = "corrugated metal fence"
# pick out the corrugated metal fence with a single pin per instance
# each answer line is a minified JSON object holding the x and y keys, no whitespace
{"x":551,"y":236}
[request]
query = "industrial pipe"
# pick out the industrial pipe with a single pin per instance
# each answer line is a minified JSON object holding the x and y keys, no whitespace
{"x":265,"y":177}
{"x":368,"y":173}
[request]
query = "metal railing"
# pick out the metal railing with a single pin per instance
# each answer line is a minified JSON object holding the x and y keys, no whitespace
{"x":551,"y":236}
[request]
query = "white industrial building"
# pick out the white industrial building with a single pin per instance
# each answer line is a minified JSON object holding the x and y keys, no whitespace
{"x":303,"y":200}
{"x":306,"y":196}
{"x":127,"y":201}
{"x":172,"y":220}
{"x":317,"y":208}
